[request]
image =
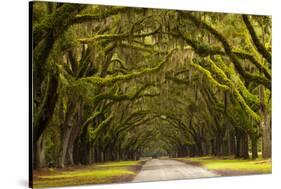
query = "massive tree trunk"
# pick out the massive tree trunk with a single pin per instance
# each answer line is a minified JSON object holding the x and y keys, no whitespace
{"x":265,"y":126}
{"x":66,"y":130}
{"x":75,"y":132}
{"x":45,"y":112}
{"x":46,"y":109}
{"x":39,"y":153}
{"x":84,"y":147}
{"x":64,"y":147}
{"x":266,"y":138}
{"x":72,"y":139}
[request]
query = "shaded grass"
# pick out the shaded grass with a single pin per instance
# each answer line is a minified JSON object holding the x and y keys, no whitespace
{"x":105,"y":173}
{"x":118,"y":164}
{"x":230,"y":166}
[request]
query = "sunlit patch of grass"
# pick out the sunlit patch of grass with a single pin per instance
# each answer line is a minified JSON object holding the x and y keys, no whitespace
{"x":89,"y":173}
{"x":95,"y":174}
{"x":246,"y":166}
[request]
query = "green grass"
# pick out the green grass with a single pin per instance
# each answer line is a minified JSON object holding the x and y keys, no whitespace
{"x":89,"y":173}
{"x":95,"y":174}
{"x":243,"y":166}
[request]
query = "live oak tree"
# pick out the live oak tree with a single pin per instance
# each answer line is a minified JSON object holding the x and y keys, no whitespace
{"x":118,"y":83}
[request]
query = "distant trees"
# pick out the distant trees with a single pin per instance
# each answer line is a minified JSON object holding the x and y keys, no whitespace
{"x":111,"y":83}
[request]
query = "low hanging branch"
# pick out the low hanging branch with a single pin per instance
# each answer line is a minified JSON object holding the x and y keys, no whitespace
{"x":112,"y":79}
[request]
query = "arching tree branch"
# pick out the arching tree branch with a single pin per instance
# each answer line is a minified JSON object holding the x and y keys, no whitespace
{"x":261,"y":49}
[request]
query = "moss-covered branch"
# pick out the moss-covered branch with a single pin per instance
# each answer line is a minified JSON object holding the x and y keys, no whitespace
{"x":249,"y":57}
{"x":115,"y":37}
{"x":90,"y":119}
{"x":112,"y":79}
{"x":94,"y":132}
{"x":82,"y":18}
{"x":209,"y":76}
{"x":238,"y":88}
{"x":229,"y":86}
{"x":238,"y":65}
{"x":205,"y":50}
{"x":131,"y":97}
{"x":261,"y":49}
{"x":57,"y":22}
{"x":233,"y":81}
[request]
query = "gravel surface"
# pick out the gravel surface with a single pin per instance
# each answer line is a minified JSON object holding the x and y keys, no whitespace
{"x":157,"y":169}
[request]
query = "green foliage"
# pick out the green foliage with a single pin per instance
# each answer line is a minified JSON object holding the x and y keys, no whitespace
{"x":141,"y":80}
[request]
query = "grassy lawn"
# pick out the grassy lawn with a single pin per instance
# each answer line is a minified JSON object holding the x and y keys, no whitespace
{"x":229,"y":166}
{"x":112,"y":172}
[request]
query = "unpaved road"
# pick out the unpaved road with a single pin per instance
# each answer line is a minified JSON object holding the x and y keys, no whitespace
{"x":156,"y":169}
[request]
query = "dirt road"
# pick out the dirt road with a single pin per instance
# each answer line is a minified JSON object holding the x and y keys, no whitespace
{"x":157,"y":169}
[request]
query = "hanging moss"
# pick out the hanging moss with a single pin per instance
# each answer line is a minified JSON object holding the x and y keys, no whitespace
{"x":112,"y":79}
{"x":138,"y":48}
{"x":114,"y":37}
{"x":228,"y":51}
{"x":81,"y":18}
